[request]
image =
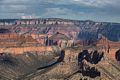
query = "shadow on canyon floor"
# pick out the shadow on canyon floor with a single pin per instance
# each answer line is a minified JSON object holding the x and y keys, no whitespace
{"x":60,"y":59}
{"x":86,"y":60}
{"x":8,"y":59}
{"x":2,"y":30}
{"x":117,"y":55}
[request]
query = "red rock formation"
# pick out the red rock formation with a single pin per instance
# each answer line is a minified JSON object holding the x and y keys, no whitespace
{"x":7,"y":40}
{"x":109,"y":47}
{"x":21,"y":50}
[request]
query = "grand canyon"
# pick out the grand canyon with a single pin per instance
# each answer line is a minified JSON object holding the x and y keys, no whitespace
{"x":59,"y":49}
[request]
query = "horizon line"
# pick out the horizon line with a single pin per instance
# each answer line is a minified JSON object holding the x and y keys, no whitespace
{"x":59,"y":18}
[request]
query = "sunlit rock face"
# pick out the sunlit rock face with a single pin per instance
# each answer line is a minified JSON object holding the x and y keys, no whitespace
{"x":56,"y":32}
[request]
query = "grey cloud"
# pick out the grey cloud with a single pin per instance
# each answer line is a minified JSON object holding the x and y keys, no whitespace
{"x":82,"y":9}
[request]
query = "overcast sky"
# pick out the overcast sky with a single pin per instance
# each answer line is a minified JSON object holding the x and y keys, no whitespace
{"x":97,"y":10}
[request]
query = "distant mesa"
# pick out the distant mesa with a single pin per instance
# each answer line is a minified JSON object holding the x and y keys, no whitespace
{"x":29,"y":20}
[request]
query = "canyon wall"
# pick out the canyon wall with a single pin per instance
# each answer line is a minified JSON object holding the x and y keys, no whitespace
{"x":21,"y":50}
{"x":77,"y":29}
{"x":36,"y":31}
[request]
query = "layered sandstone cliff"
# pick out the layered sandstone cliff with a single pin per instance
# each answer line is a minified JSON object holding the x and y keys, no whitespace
{"x":76,"y":29}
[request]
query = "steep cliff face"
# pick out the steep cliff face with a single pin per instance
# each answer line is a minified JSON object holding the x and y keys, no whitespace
{"x":111,"y":31}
